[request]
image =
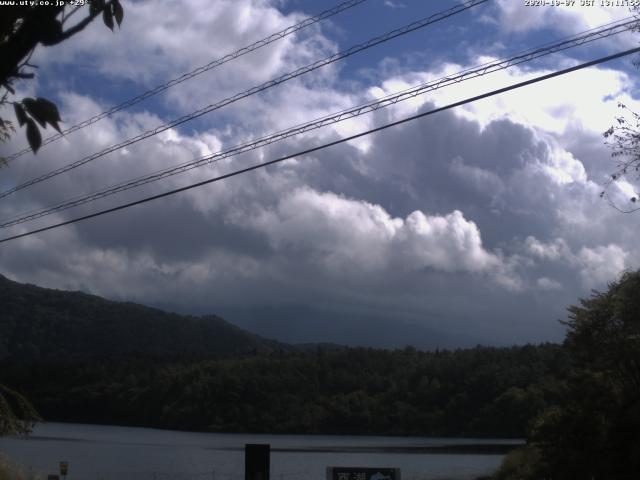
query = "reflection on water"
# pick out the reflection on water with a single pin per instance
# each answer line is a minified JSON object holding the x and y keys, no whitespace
{"x":124,"y":453}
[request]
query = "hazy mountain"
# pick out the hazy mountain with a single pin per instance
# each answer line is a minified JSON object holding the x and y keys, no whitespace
{"x":38,"y":322}
{"x":301,"y":324}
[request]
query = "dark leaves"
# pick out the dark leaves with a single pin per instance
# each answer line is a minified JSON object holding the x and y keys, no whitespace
{"x":118,"y":11}
{"x":42,"y":111}
{"x":5,"y":128}
{"x":624,"y":140}
{"x":49,"y":112}
{"x":20,"y":114}
{"x":96,"y":6}
{"x":110,"y":11}
{"x":107,"y":17}
{"x":35,"y":111}
{"x":50,"y":31}
{"x":39,"y":112}
{"x":33,"y":135}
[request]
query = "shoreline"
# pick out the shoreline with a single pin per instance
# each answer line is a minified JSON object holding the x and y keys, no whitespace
{"x":464,"y":449}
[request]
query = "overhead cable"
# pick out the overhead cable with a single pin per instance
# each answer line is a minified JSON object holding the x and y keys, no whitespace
{"x":197,"y":71}
{"x":467,"y":74}
{"x":492,"y":93}
{"x":271,"y":83}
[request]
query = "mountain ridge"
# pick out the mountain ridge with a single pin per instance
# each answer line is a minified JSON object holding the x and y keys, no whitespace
{"x":37,"y":322}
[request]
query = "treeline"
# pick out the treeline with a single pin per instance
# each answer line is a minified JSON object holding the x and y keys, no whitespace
{"x":492,"y":392}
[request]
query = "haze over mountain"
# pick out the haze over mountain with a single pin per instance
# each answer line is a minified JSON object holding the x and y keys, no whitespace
{"x":41,"y":322}
{"x":306,"y":324}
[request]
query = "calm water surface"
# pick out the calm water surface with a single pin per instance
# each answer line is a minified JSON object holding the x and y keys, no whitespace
{"x":125,"y":453}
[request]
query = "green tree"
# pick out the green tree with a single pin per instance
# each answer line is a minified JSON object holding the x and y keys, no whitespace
{"x":624,"y":140}
{"x":623,"y":137}
{"x":593,"y":432}
{"x":17,"y":415}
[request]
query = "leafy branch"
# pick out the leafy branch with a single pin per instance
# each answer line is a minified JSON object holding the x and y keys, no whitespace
{"x":42,"y":111}
{"x":624,"y":140}
{"x":22,"y":29}
{"x":17,"y":415}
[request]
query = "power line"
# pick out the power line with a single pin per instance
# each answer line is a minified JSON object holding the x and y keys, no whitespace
{"x":284,"y":78}
{"x":330,"y":144}
{"x":197,"y":71}
{"x":591,"y":35}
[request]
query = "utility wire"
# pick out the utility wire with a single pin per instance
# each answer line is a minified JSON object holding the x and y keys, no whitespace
{"x":330,"y":144}
{"x":608,"y":30}
{"x":197,"y":71}
{"x":288,"y":76}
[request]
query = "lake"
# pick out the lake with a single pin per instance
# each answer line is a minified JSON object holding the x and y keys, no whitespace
{"x":126,"y":453}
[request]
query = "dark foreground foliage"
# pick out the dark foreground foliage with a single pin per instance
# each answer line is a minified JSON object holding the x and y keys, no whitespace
{"x":593,"y":430}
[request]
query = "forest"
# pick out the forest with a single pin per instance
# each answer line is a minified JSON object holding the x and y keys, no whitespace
{"x":42,"y":323}
{"x":477,"y":392}
{"x":82,"y":358}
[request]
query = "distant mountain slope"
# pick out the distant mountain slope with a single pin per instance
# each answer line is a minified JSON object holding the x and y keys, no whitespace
{"x":38,"y":322}
{"x":298,"y":324}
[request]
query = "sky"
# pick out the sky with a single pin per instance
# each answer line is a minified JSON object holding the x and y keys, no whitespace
{"x":478,"y":224}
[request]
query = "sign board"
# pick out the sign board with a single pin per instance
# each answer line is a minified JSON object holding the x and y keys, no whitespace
{"x":64,"y":467}
{"x":257,"y":461}
{"x":362,"y":473}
